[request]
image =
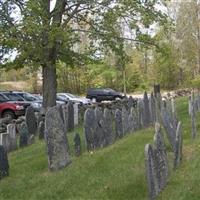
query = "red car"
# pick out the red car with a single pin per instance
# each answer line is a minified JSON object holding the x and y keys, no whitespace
{"x":11,"y":109}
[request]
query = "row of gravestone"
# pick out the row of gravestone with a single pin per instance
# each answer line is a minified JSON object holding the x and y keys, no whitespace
{"x":157,"y":168}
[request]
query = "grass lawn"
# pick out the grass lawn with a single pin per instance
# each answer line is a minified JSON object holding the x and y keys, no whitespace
{"x":115,"y":172}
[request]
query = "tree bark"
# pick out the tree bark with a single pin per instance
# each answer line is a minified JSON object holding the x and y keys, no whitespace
{"x":49,"y":85}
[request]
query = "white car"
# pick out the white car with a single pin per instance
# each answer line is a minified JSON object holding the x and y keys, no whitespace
{"x":74,"y":98}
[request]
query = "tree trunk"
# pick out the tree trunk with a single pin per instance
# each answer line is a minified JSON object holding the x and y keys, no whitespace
{"x":49,"y":85}
{"x":124,"y":81}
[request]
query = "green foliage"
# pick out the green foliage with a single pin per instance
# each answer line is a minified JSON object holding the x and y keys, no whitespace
{"x":195,"y":83}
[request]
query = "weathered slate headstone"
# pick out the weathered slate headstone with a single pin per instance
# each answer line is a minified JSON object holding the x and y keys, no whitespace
{"x":124,"y":120}
{"x":70,"y":116}
{"x":41,"y":130}
{"x":147,"y":117}
{"x":118,"y":124}
{"x":161,"y":157}
{"x":4,"y":165}
{"x":151,"y":173}
{"x":178,"y":146}
{"x":5,"y":141}
{"x":130,"y":122}
{"x":31,"y":121}
{"x":76,"y":115}
{"x":193,"y":120}
{"x":24,"y":135}
{"x":108,"y":132}
{"x":90,"y":128}
{"x":77,"y":145}
{"x":141,"y":114}
{"x":156,"y":89}
{"x":11,"y":130}
{"x":134,"y":113}
{"x":169,"y":127}
{"x":65,"y":116}
{"x":152,"y":104}
{"x":99,"y":136}
{"x":56,"y":140}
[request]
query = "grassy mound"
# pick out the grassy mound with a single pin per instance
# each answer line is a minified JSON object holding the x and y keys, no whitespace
{"x":115,"y":172}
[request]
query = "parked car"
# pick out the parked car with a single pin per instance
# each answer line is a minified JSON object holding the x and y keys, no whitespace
{"x":11,"y":109}
{"x":101,"y":94}
{"x":74,"y":98}
{"x":23,"y":96}
{"x":58,"y":100}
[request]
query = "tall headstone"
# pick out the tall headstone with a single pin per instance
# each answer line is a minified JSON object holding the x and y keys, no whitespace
{"x":108,"y":132}
{"x":151,"y":173}
{"x":178,"y":146}
{"x":161,"y":158}
{"x":5,"y":141}
{"x":70,"y":116}
{"x":4,"y":165}
{"x":141,"y":114}
{"x":147,"y":117}
{"x":118,"y":124}
{"x":90,"y":128}
{"x":156,"y":89}
{"x":77,"y":145}
{"x":76,"y":115}
{"x":124,"y":119}
{"x":41,"y":130}
{"x":11,"y":130}
{"x":152,"y":104}
{"x":24,"y":135}
{"x":99,"y":136}
{"x":56,"y":140}
{"x":31,"y":121}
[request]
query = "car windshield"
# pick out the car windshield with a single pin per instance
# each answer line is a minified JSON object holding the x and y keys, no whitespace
{"x":29,"y":97}
{"x":13,"y":97}
{"x":3,"y":98}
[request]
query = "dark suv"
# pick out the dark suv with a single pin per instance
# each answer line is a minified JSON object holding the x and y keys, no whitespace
{"x":100,"y":94}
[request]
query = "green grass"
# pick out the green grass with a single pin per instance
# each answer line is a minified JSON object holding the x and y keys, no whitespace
{"x":115,"y":172}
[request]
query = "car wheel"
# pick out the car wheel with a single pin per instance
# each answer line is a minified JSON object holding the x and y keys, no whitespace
{"x":8,"y":114}
{"x":94,"y":100}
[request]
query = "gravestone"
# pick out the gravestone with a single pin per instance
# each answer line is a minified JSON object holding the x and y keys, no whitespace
{"x":24,"y":135}
{"x":76,"y":115}
{"x":160,"y":157}
{"x":130,"y":103}
{"x":178,"y":146}
{"x":152,"y":104}
{"x":65,"y":117}
{"x":70,"y":116}
{"x":168,"y":124}
{"x":108,"y":132}
{"x":4,"y":165}
{"x":11,"y":130}
{"x":156,"y":89}
{"x":31,"y":121}
{"x":151,"y":173}
{"x":90,"y":128}
{"x":118,"y":124}
{"x":41,"y":130}
{"x":141,"y":114}
{"x":100,"y":140}
{"x":77,"y":145}
{"x":5,"y":141}
{"x":193,"y":120}
{"x":134,"y":113}
{"x":124,"y":120}
{"x":56,"y":140}
{"x":146,"y":120}
{"x":130,"y":122}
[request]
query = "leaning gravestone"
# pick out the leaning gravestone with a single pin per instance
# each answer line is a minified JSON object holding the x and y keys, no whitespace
{"x":90,"y":128}
{"x":151,"y":173}
{"x":41,"y":130}
{"x":77,"y":144}
{"x":11,"y":130}
{"x":56,"y":140}
{"x":5,"y":141}
{"x":161,"y":158}
{"x":108,"y":132}
{"x":4,"y":166}
{"x":178,"y":146}
{"x":118,"y":124}
{"x":24,"y":135}
{"x":147,"y":116}
{"x":31,"y":121}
